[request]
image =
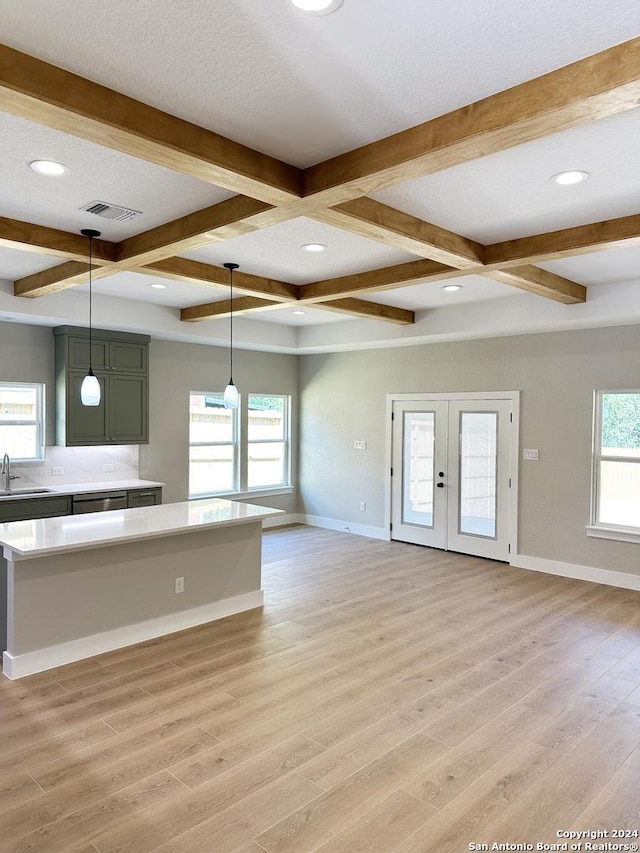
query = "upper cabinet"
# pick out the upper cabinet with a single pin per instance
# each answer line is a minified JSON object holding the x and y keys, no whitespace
{"x":121,"y":364}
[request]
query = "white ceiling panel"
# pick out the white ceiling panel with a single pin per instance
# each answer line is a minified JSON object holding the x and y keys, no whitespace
{"x":176,"y":294}
{"x":600,"y":268}
{"x":137,"y":286}
{"x":277,"y":252}
{"x":17,"y":264}
{"x":95,"y":174}
{"x":474,"y":288}
{"x":305,"y":88}
{"x":508,"y":195}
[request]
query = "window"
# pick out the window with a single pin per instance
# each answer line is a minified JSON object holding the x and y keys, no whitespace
{"x":22,"y":421}
{"x":267,"y":432}
{"x":238,"y":451}
{"x":616,"y":461}
{"x":213,"y":445}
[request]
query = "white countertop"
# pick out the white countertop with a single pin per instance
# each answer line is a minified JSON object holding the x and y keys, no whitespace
{"x":81,"y":488}
{"x":39,"y":537}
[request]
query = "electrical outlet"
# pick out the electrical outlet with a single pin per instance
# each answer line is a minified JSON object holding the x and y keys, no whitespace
{"x":530,"y":454}
{"x":360,"y":445}
{"x":57,"y":472}
{"x":108,"y":468}
{"x":363,"y":506}
{"x":179,"y":585}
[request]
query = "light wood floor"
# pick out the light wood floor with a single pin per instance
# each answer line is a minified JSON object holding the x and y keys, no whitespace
{"x":388,"y":698}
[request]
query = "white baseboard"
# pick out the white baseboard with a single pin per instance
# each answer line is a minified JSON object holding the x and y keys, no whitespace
{"x":345,"y":526}
{"x":571,"y":570}
{"x":17,"y":666}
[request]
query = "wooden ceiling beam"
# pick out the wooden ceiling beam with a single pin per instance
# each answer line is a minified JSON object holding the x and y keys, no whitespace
{"x":597,"y":237}
{"x":44,"y":93}
{"x":184,"y":269}
{"x":222,"y":308}
{"x":55,"y":279}
{"x":229,"y":218}
{"x":593,"y":88}
{"x":253,"y":304}
{"x":371,"y":310}
{"x":542,"y":283}
{"x":376,"y":221}
{"x":387,"y":278}
{"x":28,"y":237}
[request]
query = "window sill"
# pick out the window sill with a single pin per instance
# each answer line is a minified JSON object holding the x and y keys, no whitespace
{"x":622,"y":534}
{"x":257,"y":493}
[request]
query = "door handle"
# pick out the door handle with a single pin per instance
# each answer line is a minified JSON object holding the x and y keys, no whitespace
{"x":439,"y":485}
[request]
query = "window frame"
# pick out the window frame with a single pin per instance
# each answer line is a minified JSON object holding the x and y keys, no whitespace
{"x":234,"y":443}
{"x":596,"y":528}
{"x":285,"y":440}
{"x":38,"y":422}
{"x":241,"y":450}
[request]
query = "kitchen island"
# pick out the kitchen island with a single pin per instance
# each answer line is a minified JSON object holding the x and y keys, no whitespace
{"x":78,"y":586}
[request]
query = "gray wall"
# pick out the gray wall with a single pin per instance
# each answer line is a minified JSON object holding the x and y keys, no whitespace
{"x":343,"y":398}
{"x":26,"y":354}
{"x":176,"y":369}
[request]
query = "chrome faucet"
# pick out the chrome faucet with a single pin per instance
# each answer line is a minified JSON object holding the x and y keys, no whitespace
{"x":6,"y":473}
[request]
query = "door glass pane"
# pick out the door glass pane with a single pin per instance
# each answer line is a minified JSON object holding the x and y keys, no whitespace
{"x":478,"y":473}
{"x":418,"y":464}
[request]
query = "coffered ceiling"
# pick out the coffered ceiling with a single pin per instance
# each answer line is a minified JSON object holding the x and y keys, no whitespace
{"x":416,"y":143}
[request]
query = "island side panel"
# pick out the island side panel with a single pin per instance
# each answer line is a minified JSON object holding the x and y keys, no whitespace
{"x":61,"y":598}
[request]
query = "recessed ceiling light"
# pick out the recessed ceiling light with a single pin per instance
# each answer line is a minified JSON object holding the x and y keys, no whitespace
{"x":452,"y":287}
{"x":314,"y":247}
{"x":158,"y":286}
{"x":298,"y":313}
{"x":318,"y":7}
{"x":566,"y":179}
{"x":48,"y":167}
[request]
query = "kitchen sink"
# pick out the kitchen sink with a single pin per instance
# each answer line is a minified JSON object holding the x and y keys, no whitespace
{"x":19,"y":492}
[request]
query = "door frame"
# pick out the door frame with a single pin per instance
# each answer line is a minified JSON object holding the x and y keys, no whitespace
{"x":463,"y":396}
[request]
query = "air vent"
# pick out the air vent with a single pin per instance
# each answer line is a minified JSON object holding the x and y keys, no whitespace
{"x":110,"y":211}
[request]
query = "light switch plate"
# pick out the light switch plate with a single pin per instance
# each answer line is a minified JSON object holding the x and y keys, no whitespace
{"x":530,"y":454}
{"x":359,"y":445}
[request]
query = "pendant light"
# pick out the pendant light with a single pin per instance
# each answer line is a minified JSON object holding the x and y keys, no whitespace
{"x":231,"y":392}
{"x":90,"y":393}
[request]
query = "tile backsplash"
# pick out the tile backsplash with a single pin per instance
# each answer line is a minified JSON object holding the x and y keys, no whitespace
{"x":81,"y":465}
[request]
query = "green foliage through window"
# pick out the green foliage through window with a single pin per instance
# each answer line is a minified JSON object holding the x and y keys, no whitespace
{"x":621,"y":421}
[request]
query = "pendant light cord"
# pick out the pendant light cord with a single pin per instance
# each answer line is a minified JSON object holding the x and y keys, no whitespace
{"x":231,"y":268}
{"x":90,"y":302}
{"x":89,"y":233}
{"x":231,"y":326}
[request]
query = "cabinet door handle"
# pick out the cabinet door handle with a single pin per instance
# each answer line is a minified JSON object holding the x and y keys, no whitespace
{"x":145,"y":494}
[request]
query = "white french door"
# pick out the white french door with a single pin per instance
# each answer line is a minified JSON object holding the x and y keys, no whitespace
{"x":451,"y":474}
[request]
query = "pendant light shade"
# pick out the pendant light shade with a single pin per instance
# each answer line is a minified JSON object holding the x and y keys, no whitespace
{"x":231,"y":392}
{"x":90,"y":392}
{"x":231,"y":396}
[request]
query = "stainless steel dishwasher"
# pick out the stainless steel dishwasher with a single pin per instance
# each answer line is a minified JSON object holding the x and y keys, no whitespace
{"x":98,"y":502}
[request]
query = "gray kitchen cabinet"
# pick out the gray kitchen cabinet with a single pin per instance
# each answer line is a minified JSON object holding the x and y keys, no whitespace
{"x":120,"y":363}
{"x":144,"y":497}
{"x":44,"y":506}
